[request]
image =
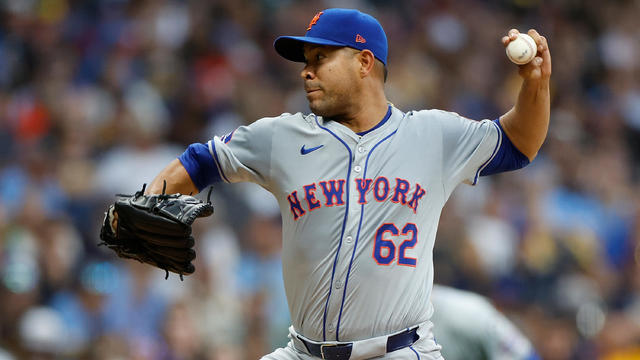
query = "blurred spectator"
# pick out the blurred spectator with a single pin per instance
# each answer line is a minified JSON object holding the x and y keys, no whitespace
{"x":82,"y":306}
{"x":42,"y":334}
{"x":181,"y":335}
{"x":489,"y":336}
{"x":262,"y":288}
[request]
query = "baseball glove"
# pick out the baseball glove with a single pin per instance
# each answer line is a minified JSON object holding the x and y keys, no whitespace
{"x":154,"y":229}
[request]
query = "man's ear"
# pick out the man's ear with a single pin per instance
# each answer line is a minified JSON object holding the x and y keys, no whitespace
{"x":367,"y":62}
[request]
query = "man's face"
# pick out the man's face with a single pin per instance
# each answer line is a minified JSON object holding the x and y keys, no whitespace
{"x":330,"y":79}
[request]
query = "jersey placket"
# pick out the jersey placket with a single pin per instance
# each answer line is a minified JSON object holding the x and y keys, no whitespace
{"x":361,"y":152}
{"x":332,"y":306}
{"x":336,"y":301}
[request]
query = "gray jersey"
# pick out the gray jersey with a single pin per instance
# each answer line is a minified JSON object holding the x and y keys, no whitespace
{"x":359,"y":213}
{"x":468,"y":327}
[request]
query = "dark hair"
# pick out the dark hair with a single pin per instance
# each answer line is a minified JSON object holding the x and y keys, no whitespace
{"x":384,"y":67}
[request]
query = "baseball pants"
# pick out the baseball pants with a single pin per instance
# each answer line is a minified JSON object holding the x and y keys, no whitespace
{"x":425,"y":348}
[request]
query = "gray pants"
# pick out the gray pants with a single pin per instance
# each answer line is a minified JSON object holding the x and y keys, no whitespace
{"x":424,"y":349}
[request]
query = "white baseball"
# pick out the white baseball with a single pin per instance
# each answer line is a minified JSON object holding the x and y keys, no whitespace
{"x":521,"y":50}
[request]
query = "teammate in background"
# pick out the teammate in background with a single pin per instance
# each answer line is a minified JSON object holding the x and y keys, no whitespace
{"x":468,"y":327}
{"x":360,"y":185}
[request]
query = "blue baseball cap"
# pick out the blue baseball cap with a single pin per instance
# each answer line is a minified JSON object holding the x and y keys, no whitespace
{"x":337,"y":27}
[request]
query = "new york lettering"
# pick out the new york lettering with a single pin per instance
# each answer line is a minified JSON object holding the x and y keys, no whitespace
{"x":332,"y":193}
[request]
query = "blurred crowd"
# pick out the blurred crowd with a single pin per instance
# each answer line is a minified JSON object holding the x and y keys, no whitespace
{"x":97,"y":96}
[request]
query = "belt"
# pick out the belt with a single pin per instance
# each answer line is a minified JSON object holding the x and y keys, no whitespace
{"x":342,"y":351}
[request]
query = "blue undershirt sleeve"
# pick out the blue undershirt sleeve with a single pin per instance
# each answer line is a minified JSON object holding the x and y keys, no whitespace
{"x":507,"y":158}
{"x":200,"y":165}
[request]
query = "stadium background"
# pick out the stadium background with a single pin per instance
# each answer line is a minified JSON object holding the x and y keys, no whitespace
{"x":97,"y":96}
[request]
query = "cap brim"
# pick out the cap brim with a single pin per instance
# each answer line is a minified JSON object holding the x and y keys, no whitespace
{"x":292,"y":47}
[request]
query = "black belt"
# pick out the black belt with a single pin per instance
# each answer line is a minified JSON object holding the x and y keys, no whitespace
{"x":343,"y":351}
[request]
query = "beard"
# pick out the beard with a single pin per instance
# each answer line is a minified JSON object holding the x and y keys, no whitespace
{"x":321,"y":108}
{"x":329,"y":105}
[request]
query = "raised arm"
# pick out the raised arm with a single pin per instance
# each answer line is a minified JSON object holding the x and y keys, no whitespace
{"x":526,"y":124}
{"x":177,"y":178}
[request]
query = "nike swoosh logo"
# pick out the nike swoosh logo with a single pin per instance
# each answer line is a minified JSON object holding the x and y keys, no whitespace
{"x":304,"y":151}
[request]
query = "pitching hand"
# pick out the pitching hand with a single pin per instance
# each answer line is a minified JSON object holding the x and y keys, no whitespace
{"x":540,"y":67}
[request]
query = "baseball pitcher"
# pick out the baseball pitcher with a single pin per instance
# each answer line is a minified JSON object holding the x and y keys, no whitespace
{"x":360,"y":185}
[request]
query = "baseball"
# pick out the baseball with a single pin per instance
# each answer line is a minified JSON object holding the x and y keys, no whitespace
{"x":521,"y":50}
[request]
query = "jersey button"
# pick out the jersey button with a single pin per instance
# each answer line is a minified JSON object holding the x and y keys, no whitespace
{"x":360,"y":149}
{"x":330,"y":327}
{"x":338,"y":284}
{"x":357,"y":168}
{"x":349,"y":239}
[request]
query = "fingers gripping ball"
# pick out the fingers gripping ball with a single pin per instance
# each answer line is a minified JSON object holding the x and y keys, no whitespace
{"x":154,"y":229}
{"x":521,"y":50}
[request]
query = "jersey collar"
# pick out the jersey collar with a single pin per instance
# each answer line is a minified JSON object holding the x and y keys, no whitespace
{"x":379,"y":124}
{"x":389,"y":118}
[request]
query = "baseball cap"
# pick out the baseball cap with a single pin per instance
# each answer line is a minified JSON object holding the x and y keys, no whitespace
{"x":337,"y":27}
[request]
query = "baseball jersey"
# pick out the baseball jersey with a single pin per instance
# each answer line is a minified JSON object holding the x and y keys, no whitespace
{"x":359,"y":211}
{"x":489,"y":336}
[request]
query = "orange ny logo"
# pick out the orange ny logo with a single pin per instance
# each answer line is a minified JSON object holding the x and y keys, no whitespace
{"x":314,"y":20}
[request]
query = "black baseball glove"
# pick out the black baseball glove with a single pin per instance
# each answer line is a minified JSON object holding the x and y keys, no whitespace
{"x":154,"y":229}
